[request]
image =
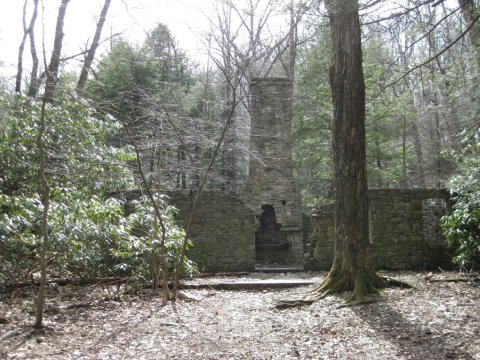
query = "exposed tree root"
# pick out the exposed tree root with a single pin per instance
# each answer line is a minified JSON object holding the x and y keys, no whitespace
{"x":360,"y":284}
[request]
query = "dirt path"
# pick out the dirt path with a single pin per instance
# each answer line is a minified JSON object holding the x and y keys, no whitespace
{"x":437,"y":320}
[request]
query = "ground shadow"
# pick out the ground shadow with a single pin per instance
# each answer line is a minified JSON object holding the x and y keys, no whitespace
{"x":413,"y":338}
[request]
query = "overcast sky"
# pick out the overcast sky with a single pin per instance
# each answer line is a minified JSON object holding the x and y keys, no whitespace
{"x":185,"y":18}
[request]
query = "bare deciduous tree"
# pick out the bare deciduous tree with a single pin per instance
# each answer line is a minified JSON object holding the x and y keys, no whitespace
{"x":34,"y":81}
{"x":53,"y":66}
{"x":242,"y":42}
{"x":471,"y":14}
{"x":44,"y":188}
{"x":27,"y":31}
{"x":82,"y":80}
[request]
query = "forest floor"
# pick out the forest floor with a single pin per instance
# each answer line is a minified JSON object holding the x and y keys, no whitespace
{"x":435,"y":320}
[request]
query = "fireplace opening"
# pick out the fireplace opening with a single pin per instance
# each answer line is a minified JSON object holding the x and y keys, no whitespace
{"x":271,"y":245}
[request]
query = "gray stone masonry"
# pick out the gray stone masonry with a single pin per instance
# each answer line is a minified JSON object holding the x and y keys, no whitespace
{"x":270,"y":190}
{"x":223,"y":231}
{"x":404,"y":225}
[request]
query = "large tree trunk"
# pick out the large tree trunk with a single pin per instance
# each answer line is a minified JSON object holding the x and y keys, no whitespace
{"x":352,"y":268}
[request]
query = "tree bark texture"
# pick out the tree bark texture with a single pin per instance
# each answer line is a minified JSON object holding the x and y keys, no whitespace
{"x":54,"y":65}
{"x":34,"y":80}
{"x":352,"y":269}
{"x":44,"y":193}
{"x":93,"y":48}
{"x":26,"y":32}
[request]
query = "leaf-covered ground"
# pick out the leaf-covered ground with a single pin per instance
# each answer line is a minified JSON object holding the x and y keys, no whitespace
{"x":436,"y":320}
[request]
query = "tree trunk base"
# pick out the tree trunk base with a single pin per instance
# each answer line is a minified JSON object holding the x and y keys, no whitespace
{"x":361,"y":284}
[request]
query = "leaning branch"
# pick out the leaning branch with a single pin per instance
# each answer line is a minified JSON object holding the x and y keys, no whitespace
{"x":427,"y":34}
{"x":34,"y":80}
{"x":398,"y":14}
{"x":54,"y":65}
{"x":82,"y":80}
{"x":197,"y":197}
{"x":156,"y":209}
{"x":226,"y":125}
{"x":83,"y":52}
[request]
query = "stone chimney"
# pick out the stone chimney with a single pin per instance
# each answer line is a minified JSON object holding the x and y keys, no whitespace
{"x":270,"y":190}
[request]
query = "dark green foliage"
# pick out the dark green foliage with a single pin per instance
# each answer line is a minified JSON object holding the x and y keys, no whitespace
{"x":80,"y":168}
{"x":147,"y":87}
{"x":89,"y":232}
{"x":312,"y":123}
{"x":462,"y":225}
{"x":137,"y":254}
{"x":137,"y":82}
{"x":78,"y":153}
{"x":385,"y":120}
{"x":312,"y":129}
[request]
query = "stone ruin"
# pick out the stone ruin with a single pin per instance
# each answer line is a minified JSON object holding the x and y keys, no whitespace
{"x":264,"y":226}
{"x":405,"y":230}
{"x":270,"y":190}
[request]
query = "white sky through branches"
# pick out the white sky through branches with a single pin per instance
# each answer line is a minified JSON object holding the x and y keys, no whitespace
{"x":186,"y":20}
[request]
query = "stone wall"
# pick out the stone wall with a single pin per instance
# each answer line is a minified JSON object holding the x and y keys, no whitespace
{"x":223,"y":231}
{"x":405,"y":230}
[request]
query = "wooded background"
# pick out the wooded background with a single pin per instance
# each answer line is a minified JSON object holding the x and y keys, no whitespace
{"x":144,"y":115}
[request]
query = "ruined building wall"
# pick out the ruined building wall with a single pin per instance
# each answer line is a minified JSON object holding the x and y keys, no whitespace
{"x":405,"y":230}
{"x":270,"y":190}
{"x":404,"y":225}
{"x":223,"y":231}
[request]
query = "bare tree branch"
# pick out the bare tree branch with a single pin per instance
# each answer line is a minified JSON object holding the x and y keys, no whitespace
{"x":446,"y":48}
